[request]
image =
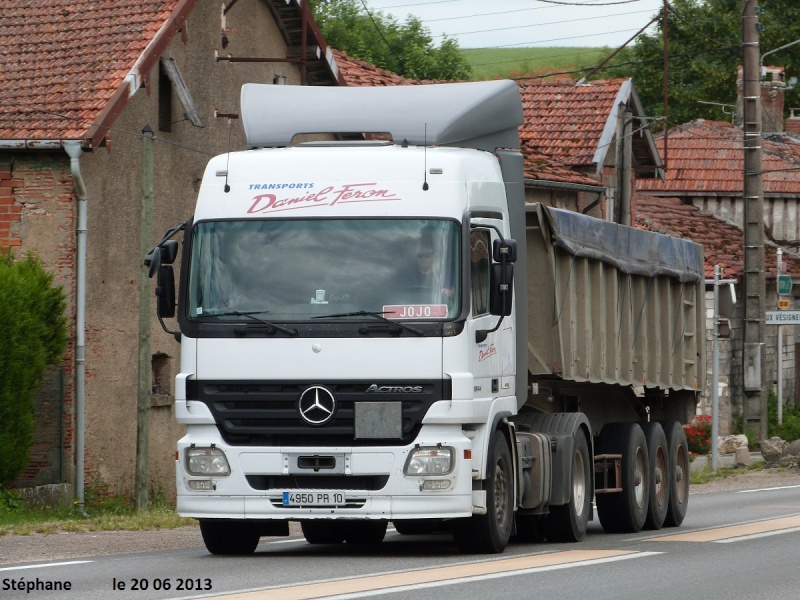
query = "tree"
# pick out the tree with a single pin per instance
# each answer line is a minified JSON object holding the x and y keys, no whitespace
{"x":403,"y":48}
{"x":34,"y":337}
{"x":705,"y":48}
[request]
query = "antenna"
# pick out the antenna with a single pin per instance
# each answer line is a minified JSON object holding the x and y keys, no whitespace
{"x":227,"y":187}
{"x":425,"y":161}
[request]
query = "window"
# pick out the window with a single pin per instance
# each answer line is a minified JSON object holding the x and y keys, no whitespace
{"x":480,"y":244}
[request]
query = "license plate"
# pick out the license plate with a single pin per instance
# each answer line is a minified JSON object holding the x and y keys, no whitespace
{"x":313,"y":499}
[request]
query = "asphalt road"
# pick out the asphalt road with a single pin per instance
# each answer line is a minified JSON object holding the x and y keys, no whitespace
{"x":733,"y":544}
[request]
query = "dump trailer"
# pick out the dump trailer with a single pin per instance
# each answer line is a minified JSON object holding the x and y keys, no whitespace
{"x":376,"y":327}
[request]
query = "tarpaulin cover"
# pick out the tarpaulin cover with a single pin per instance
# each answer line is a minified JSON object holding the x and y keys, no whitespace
{"x":633,"y":251}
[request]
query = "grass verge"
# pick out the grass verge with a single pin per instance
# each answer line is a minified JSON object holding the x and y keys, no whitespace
{"x":111,"y":514}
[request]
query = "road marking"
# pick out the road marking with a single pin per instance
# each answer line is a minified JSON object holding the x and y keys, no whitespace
{"x":58,"y":564}
{"x":736,"y":532}
{"x":354,"y":587}
{"x":769,"y":489}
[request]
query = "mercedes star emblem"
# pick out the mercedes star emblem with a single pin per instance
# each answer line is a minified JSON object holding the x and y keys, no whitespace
{"x":316,"y":405}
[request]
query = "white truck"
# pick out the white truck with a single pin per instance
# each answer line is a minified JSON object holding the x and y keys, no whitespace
{"x":376,"y":327}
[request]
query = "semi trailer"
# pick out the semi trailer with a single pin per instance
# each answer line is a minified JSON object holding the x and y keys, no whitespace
{"x":375,"y":326}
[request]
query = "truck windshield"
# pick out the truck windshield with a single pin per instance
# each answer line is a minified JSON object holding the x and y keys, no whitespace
{"x":296,"y":270}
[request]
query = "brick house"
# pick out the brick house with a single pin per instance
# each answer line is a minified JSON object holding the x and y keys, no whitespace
{"x":87,"y":78}
{"x":704,"y":170}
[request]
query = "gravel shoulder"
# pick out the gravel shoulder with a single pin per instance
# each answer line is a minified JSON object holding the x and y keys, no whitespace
{"x":67,"y":546}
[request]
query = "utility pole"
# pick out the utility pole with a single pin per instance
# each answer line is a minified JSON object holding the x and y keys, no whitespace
{"x":145,"y":383}
{"x":755,"y":387}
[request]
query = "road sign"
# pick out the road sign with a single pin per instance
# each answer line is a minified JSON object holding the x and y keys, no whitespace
{"x":782,"y":317}
{"x":784,"y":303}
{"x":784,"y":285}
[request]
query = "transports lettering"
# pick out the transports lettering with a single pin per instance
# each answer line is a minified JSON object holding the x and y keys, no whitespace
{"x":281,"y":186}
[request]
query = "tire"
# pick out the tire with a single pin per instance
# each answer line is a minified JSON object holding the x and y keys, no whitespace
{"x":365,"y":532}
{"x":625,"y":511}
{"x":323,"y":532}
{"x":489,"y":533}
{"x":659,"y":481}
{"x":678,"y":473}
{"x":416,"y":526}
{"x":568,"y":522}
{"x":222,"y":536}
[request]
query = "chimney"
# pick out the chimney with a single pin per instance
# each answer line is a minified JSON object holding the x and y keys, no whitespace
{"x":793,"y":122}
{"x":773,"y":87}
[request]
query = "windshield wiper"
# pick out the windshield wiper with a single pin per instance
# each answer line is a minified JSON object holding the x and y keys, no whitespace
{"x":375,"y":314}
{"x":251,"y":315}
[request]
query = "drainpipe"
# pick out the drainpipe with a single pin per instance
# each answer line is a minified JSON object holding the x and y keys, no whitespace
{"x":73,"y":149}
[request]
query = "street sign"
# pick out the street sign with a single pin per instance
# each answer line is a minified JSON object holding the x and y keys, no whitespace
{"x":784,"y":303}
{"x":784,"y":285}
{"x":782,"y":317}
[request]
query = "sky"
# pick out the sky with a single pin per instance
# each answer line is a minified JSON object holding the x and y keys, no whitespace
{"x":527,"y":23}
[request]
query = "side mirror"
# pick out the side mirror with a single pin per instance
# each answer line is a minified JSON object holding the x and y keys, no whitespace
{"x":501,"y":286}
{"x":165,"y":292}
{"x":169,"y":252}
{"x":507,"y":248}
{"x":163,"y":253}
{"x":152,"y":260}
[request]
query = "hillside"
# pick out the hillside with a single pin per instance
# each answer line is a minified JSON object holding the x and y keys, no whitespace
{"x":496,"y":63}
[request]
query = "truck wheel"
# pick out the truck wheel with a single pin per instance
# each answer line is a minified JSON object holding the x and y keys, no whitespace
{"x":659,"y":469}
{"x":626,"y":511}
{"x":223,"y":536}
{"x":323,"y":532}
{"x":568,"y":522}
{"x":678,"y":473}
{"x":489,"y":533}
{"x":365,"y":532}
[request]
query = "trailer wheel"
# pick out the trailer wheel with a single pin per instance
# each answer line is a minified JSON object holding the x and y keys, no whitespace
{"x":365,"y":532}
{"x":659,"y":480}
{"x":678,"y":472}
{"x":222,"y":536}
{"x":625,"y":511}
{"x":322,"y":532}
{"x":568,"y":522}
{"x":489,"y":533}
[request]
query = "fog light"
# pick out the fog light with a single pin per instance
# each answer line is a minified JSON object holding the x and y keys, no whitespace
{"x":201,"y":485}
{"x":207,"y":461}
{"x":429,"y":461}
{"x":436,"y":484}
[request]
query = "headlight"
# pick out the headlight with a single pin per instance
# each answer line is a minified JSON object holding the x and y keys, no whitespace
{"x":207,"y":461}
{"x":429,"y":461}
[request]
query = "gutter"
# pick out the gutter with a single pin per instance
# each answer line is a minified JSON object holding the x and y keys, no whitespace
{"x":73,"y":149}
{"x":600,"y":190}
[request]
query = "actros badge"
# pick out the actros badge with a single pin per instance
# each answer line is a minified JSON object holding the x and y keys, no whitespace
{"x":316,"y":405}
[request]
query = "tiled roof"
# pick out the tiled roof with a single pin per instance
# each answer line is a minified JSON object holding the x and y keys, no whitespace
{"x":723,"y":242}
{"x":566,"y":121}
{"x":356,"y":72}
{"x":706,"y":157}
{"x":63,"y":61}
{"x":538,"y":166}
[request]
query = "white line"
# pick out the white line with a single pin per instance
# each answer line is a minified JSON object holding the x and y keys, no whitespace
{"x":755,"y":536}
{"x":770,"y":489}
{"x":58,"y":564}
{"x":460,"y":580}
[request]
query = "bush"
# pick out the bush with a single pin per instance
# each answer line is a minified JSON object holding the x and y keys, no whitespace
{"x":789,"y":429}
{"x":698,"y":434}
{"x":34,"y":337}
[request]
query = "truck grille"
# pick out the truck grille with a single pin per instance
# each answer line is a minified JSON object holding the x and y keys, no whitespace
{"x":256,"y":413}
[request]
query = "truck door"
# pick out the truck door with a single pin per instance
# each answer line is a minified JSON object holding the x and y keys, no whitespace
{"x":487,"y":358}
